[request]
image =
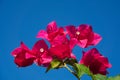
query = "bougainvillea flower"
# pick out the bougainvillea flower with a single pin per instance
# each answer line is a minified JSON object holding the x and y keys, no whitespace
{"x":60,"y":39}
{"x":51,"y":32}
{"x":41,"y":53}
{"x":21,"y":58}
{"x":95,"y":61}
{"x":60,"y":51}
{"x":52,"y":27}
{"x":60,"y":47}
{"x":83,"y":35}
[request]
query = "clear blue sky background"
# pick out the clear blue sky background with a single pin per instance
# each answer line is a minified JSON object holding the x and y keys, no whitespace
{"x":20,"y":20}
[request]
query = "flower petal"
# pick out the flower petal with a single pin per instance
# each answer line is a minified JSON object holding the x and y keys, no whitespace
{"x":83,"y":43}
{"x":22,"y":62}
{"x":40,"y":44}
{"x":42,"y":34}
{"x":51,"y":27}
{"x":46,"y":59}
{"x":16,"y":51}
{"x":97,"y":39}
{"x":71,"y":30}
{"x":60,"y":51}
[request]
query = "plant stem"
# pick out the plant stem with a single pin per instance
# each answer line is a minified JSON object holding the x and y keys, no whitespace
{"x":71,"y":71}
{"x":93,"y":77}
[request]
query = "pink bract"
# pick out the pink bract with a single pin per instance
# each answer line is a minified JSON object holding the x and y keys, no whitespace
{"x":52,"y":27}
{"x":41,"y":53}
{"x":60,"y":51}
{"x":60,"y":47}
{"x":51,"y":32}
{"x":21,"y":58}
{"x":83,"y":35}
{"x":95,"y":61}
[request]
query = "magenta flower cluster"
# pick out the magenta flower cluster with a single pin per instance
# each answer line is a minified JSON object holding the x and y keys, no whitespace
{"x":62,"y":40}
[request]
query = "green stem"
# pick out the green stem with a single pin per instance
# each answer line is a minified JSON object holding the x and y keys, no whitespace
{"x":71,"y":71}
{"x":92,"y":76}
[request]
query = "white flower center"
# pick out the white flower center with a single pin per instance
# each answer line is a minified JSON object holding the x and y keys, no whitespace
{"x":41,"y":50}
{"x":77,"y":32}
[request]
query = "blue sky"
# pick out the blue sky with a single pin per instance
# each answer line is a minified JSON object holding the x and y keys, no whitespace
{"x":20,"y":20}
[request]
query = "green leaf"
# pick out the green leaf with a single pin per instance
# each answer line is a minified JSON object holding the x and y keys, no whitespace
{"x":99,"y":77}
{"x":81,"y":69}
{"x":114,"y":78}
{"x":54,"y":65}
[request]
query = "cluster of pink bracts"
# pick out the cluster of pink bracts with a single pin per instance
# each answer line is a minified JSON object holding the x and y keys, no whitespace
{"x":62,"y":41}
